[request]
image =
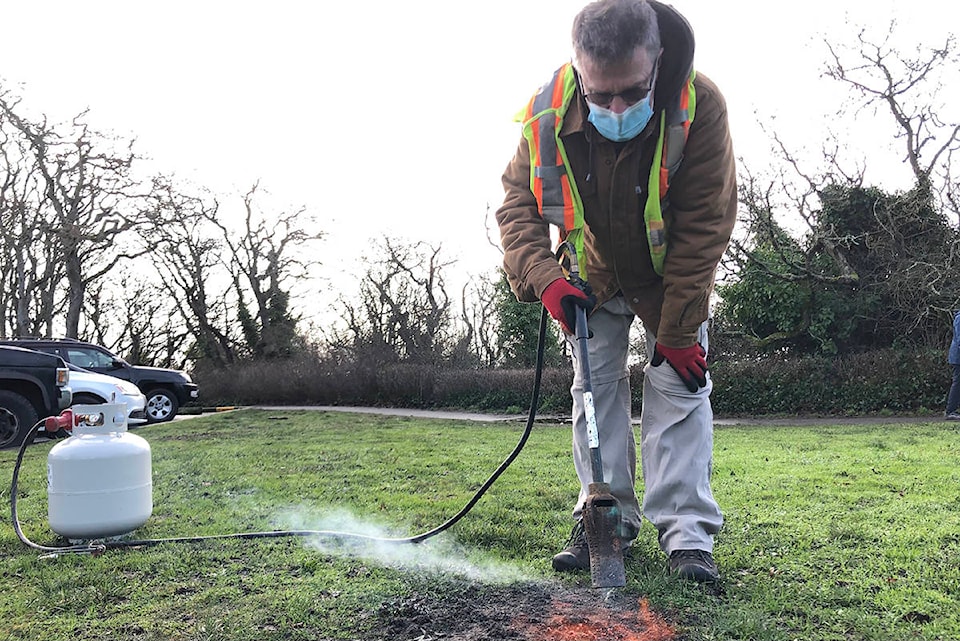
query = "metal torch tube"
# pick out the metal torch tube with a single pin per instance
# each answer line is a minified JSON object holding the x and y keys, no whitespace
{"x":593,"y":435}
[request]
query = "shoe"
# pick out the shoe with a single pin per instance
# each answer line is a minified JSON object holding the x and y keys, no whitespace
{"x":952,"y":416}
{"x":576,"y":556}
{"x":695,"y":565}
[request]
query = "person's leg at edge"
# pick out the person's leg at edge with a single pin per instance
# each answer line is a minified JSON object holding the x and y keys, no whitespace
{"x":609,"y":376}
{"x":676,"y":446}
{"x":953,"y":398}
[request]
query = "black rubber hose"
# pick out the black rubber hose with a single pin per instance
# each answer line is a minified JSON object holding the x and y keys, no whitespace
{"x":87,"y":548}
{"x":345,"y":536}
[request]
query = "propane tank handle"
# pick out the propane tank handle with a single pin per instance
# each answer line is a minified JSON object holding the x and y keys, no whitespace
{"x":104,"y":418}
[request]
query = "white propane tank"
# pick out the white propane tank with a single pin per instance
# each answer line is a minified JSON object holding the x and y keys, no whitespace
{"x":99,"y":481}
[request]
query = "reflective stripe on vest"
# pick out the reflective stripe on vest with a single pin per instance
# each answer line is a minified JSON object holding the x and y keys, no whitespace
{"x":674,"y":129}
{"x":551,"y":178}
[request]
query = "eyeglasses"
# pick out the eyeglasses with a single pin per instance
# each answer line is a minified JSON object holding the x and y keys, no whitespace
{"x":630,"y":96}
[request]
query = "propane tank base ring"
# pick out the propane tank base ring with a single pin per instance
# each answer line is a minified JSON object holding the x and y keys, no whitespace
{"x":101,"y":539}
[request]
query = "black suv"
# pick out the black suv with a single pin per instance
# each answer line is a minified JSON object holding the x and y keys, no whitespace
{"x":33,"y":386}
{"x":166,"y":389}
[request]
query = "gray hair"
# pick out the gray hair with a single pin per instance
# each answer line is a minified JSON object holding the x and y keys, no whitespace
{"x":608,"y":31}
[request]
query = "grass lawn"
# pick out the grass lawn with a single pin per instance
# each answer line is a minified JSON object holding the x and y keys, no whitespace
{"x":832,"y":532}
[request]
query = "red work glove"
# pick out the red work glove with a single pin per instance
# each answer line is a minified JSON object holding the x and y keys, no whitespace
{"x":562,"y":299}
{"x":689,"y":362}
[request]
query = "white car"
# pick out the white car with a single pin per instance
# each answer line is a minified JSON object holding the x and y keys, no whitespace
{"x":91,"y":388}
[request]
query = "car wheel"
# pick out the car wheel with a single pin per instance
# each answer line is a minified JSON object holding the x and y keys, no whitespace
{"x":161,"y":406}
{"x":17,"y":418}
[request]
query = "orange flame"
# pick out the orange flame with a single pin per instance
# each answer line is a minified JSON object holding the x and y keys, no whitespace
{"x":570,"y":623}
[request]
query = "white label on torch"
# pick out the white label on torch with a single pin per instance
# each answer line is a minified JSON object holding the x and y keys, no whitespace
{"x":593,"y":437}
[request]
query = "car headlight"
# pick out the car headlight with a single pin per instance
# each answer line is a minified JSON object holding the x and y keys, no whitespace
{"x":128,"y":389}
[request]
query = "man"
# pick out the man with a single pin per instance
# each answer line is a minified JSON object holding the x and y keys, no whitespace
{"x":953,"y":359}
{"x":649,"y":237}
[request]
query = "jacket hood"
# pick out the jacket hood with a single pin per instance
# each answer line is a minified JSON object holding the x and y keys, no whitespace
{"x":676,"y":63}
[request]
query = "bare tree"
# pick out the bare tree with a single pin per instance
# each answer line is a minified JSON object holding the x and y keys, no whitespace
{"x":84,"y":193}
{"x":189,"y":260}
{"x":893,"y":253}
{"x":798,"y":192}
{"x":402,"y":311}
{"x":268,"y":252}
{"x":911,"y":87}
{"x":30,"y":267}
{"x":132,"y":315}
{"x":908,"y":87}
{"x":479,"y":318}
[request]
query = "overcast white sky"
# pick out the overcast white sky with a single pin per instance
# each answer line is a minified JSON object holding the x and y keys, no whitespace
{"x":390,"y":117}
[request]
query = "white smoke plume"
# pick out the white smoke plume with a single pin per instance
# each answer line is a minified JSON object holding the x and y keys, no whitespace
{"x":342,"y":534}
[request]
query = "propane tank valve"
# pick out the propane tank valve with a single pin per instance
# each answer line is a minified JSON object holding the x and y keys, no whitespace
{"x":62,"y":422}
{"x":59,"y":426}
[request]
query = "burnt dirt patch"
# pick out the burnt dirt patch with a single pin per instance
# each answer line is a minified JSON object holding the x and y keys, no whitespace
{"x":522,"y":612}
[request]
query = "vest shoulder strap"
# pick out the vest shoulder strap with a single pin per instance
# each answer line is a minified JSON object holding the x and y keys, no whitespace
{"x":674,"y":130}
{"x":678,"y":118}
{"x":550,"y":176}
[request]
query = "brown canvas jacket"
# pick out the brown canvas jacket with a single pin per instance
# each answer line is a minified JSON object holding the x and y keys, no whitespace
{"x":612,"y":180}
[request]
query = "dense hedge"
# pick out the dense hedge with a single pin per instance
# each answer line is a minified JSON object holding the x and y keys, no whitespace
{"x":873,"y":383}
{"x":884,"y":381}
{"x":311,"y":382}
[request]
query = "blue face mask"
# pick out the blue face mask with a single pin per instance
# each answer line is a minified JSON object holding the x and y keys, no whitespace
{"x":620,"y":127}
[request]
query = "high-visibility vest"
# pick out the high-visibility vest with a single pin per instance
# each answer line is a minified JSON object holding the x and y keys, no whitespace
{"x":551,"y":177}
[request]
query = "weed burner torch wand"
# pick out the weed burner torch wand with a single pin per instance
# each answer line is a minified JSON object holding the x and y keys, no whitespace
{"x":601,"y":510}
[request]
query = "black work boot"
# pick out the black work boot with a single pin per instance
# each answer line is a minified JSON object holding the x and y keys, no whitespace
{"x":695,"y":565}
{"x":576,"y":556}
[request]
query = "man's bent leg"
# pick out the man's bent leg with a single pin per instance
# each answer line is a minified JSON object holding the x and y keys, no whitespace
{"x":677,"y":454}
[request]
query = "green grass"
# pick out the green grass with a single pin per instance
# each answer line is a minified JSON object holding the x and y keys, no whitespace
{"x":831,"y":532}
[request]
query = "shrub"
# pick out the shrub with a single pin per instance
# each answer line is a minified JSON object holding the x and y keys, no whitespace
{"x":882,"y":381}
{"x":869,"y":383}
{"x":503,"y":389}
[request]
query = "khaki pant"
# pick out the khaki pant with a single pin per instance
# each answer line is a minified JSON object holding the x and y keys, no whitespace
{"x":676,"y":439}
